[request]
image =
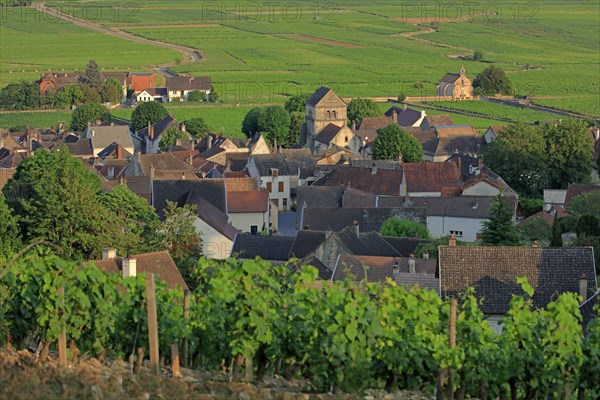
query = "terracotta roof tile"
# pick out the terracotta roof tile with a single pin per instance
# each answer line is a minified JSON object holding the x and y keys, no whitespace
{"x":377,"y":181}
{"x":248,"y":202}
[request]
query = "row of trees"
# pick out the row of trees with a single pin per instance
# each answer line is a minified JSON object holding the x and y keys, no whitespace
{"x":53,"y":197}
{"x":257,"y":319}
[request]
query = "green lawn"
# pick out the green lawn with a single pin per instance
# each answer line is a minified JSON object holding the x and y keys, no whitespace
{"x":494,"y":110}
{"x":35,"y":119}
{"x":31,"y":43}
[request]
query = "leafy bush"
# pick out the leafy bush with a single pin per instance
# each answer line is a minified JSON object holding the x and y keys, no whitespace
{"x":404,"y":228}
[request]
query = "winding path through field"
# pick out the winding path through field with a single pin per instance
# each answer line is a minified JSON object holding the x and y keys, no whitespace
{"x":191,"y":54}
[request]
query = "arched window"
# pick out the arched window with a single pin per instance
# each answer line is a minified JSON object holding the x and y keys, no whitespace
{"x":334,"y":114}
{"x":328,"y":114}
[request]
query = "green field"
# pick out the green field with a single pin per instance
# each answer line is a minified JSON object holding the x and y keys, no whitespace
{"x":272,"y":49}
{"x":35,"y":119}
{"x":495,"y":110}
{"x":32,"y":42}
{"x":589,"y":105}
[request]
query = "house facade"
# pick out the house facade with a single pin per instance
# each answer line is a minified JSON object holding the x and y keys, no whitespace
{"x":456,"y":86}
{"x":324,"y":107}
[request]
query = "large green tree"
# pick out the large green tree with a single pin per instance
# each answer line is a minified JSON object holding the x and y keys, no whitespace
{"x":519,"y":157}
{"x":393,"y":142}
{"x":169,"y":138}
{"x":88,"y":113}
{"x":361,"y":108}
{"x":149,"y":111}
{"x":274,"y":122}
{"x":492,"y":81}
{"x":586,"y":204}
{"x":500,"y":229}
{"x":296,"y":103}
{"x":196,"y":127}
{"x":112,"y":91}
{"x":398,"y":227}
{"x":138,"y":217}
{"x":296,"y":126}
{"x":20,"y":96}
{"x":10,"y":234}
{"x":250,"y":122}
{"x":570,"y":149}
{"x":92,"y":76}
{"x":55,"y":198}
{"x":536,"y":229}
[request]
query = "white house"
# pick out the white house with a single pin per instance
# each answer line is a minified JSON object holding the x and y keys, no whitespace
{"x":104,"y":135}
{"x":179,"y":87}
{"x":249,"y":210}
{"x":152,"y":94}
{"x":492,"y":133}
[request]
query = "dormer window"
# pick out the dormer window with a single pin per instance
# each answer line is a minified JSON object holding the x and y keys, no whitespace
{"x":274,"y":172}
{"x":111,"y":172}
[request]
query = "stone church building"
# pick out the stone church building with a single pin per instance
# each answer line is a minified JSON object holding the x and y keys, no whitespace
{"x":326,"y":123}
{"x":456,"y":86}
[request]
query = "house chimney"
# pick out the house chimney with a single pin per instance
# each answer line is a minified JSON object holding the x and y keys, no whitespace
{"x":209,"y":140}
{"x":583,"y":288}
{"x":412,"y":264}
{"x":151,"y":131}
{"x":480,"y":164}
{"x":395,"y":269}
{"x":183,"y":175}
{"x":426,"y":255}
{"x":373,"y":169}
{"x":93,"y":132}
{"x":109,"y":253}
{"x":191,"y":158}
{"x":452,"y":240}
{"x":536,"y":243}
{"x":394,"y":115}
{"x":356,"y":228}
{"x":151,"y":173}
{"x":119,"y":152}
{"x":405,"y":106}
{"x":353,"y":125}
{"x":129,"y":267}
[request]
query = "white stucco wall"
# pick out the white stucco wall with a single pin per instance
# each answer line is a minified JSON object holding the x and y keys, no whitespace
{"x":494,"y":321}
{"x":424,"y":194}
{"x":243,"y":221}
{"x":481,"y":189}
{"x":214,"y":244}
{"x":275,"y":194}
{"x":441,"y":226}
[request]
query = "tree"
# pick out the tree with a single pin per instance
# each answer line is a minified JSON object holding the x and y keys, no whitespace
{"x":169,"y":138}
{"x":213,"y":96}
{"x":398,"y":227}
{"x":296,"y":103}
{"x":492,"y":81}
{"x":112,"y":91}
{"x":519,"y":157}
{"x":55,"y":198}
{"x":296,"y":125}
{"x":586,"y":204}
{"x":588,"y":225}
{"x":196,"y":127}
{"x":196,"y":95}
{"x":536,"y":229}
{"x":88,"y":113}
{"x":431,"y":247}
{"x":361,"y":108}
{"x":250,"y":122}
{"x":90,"y":95}
{"x":274,"y":122}
{"x":394,"y":142}
{"x":477,"y":56}
{"x":179,"y":235}
{"x":570,"y":149}
{"x":10,"y":234}
{"x":20,"y":96}
{"x":500,"y":229}
{"x":68,"y":96}
{"x":138,"y":218}
{"x":149,"y":111}
{"x":92,"y":76}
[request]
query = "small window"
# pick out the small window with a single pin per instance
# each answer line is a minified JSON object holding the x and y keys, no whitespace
{"x":274,"y":172}
{"x":285,"y":204}
{"x":458,"y":234}
{"x":111,"y":172}
{"x":334,"y":115}
{"x":328,"y":114}
{"x":269,"y":187}
{"x":254,"y":229}
{"x":281,"y":187}
{"x":346,"y":139}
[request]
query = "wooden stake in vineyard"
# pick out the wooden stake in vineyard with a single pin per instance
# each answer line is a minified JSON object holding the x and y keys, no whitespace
{"x":152,"y":323}
{"x":62,"y":339}
{"x":452,"y":345}
{"x":186,"y":315}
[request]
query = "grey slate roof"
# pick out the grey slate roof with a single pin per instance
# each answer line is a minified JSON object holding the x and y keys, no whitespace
{"x":213,"y":190}
{"x":211,"y":214}
{"x":409,"y":117}
{"x":328,"y":133}
{"x":288,"y":162}
{"x":405,"y":246}
{"x":159,"y":127}
{"x":463,"y":206}
{"x":492,"y":271}
{"x":317,"y":96}
{"x":188,"y":83}
{"x":306,"y":242}
{"x":450,"y":78}
{"x":369,"y":219}
{"x":266,"y":247}
{"x":103,"y":136}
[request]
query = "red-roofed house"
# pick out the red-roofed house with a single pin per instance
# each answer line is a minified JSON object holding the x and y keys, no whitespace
{"x":248,"y":211}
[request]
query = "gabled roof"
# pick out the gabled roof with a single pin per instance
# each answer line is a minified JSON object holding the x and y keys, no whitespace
{"x":335,"y":155}
{"x":378,"y":269}
{"x":236,"y":161}
{"x":103,"y":136}
{"x":369,"y":219}
{"x":159,"y":127}
{"x":306,"y":242}
{"x":188,"y":83}
{"x":213,"y":190}
{"x":409,"y":117}
{"x":371,"y":180}
{"x":575,"y":189}
{"x":163,"y":92}
{"x":547,"y":215}
{"x":319,"y":196}
{"x":243,"y":184}
{"x":328,"y":133}
{"x":288,"y":162}
{"x":320,"y":94}
{"x":431,"y":176}
{"x":159,"y":263}
{"x":163,"y":162}
{"x":275,"y":248}
{"x":405,"y":246}
{"x":450,"y":78}
{"x":439,"y":120}
{"x":210,"y":214}
{"x":255,"y":201}
{"x":375,"y":123}
{"x":478,"y":207}
{"x":493,"y":271}
{"x":391,"y":110}
{"x":429,"y":141}
{"x":115,"y":150}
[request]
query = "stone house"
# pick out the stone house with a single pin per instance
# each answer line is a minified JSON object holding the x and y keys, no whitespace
{"x":324,"y":107}
{"x":455,"y":86}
